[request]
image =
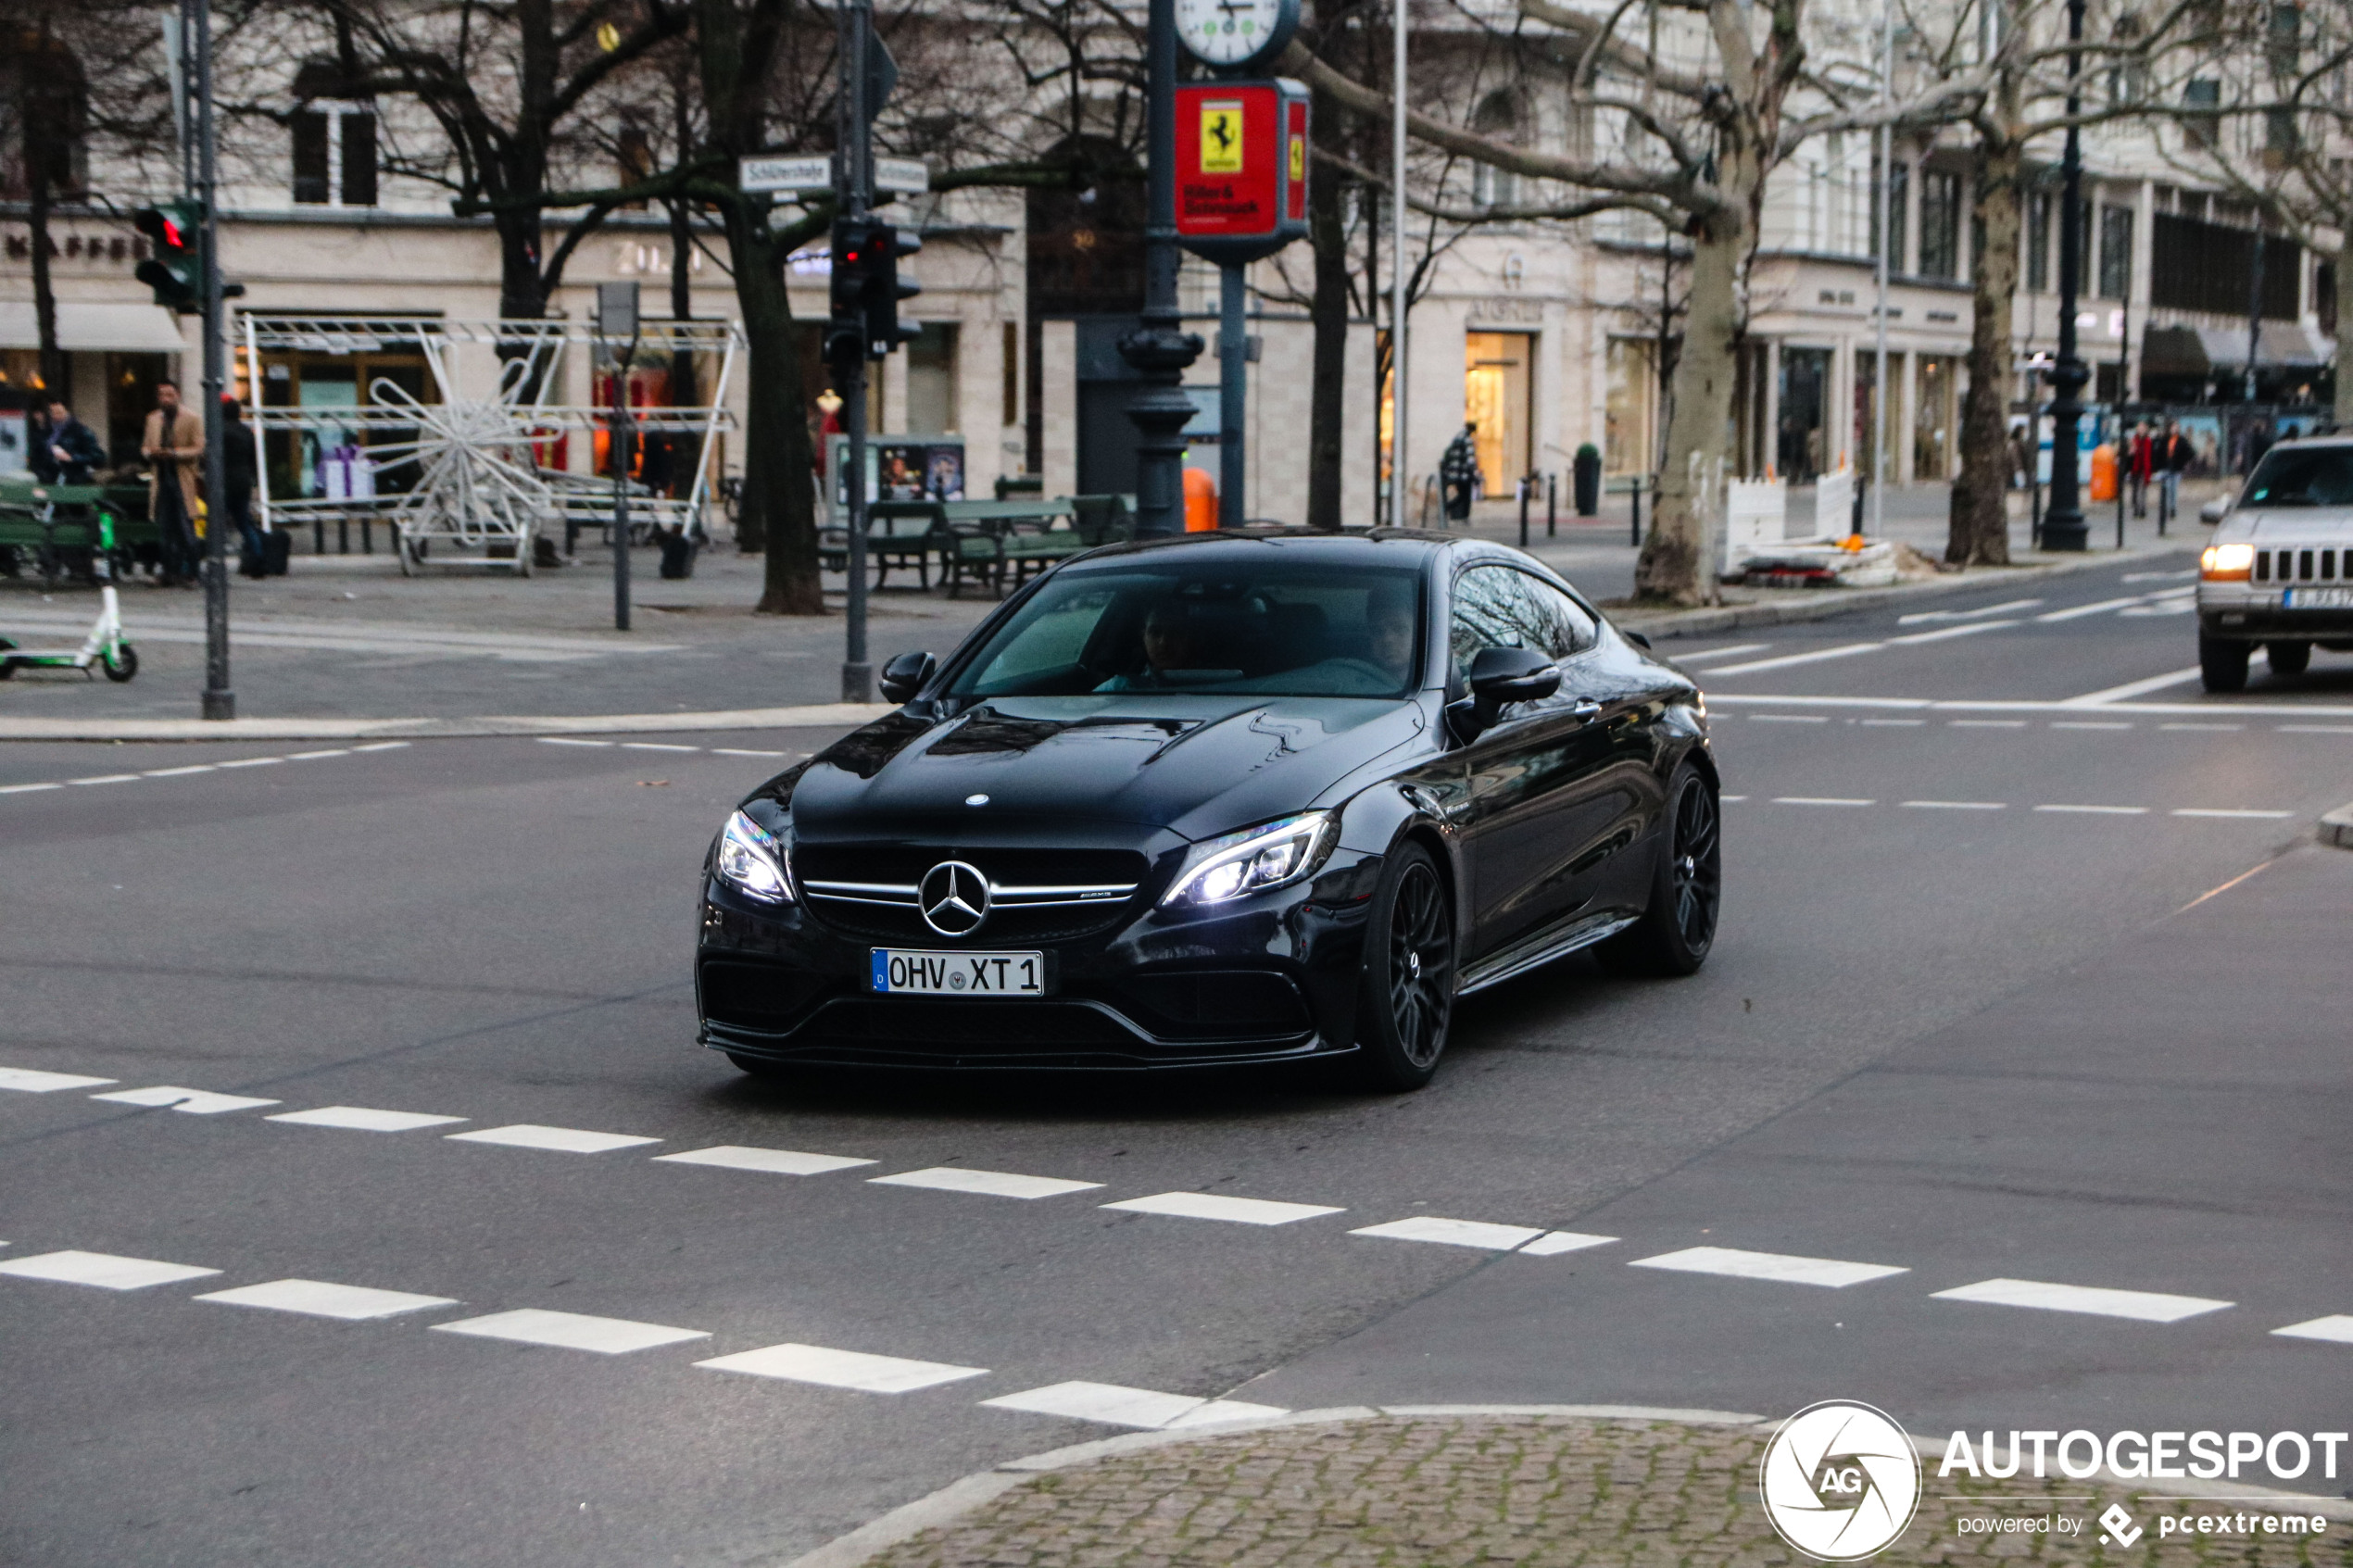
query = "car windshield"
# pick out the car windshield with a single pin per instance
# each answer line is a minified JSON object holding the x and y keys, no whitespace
{"x":1211,"y":625}
{"x":2302,"y":476}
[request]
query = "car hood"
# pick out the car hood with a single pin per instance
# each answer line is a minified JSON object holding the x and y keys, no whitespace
{"x":1197,"y":765}
{"x":2292,"y":525}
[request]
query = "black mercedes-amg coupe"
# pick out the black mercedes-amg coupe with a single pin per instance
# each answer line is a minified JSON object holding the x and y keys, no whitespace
{"x":1227,"y":799}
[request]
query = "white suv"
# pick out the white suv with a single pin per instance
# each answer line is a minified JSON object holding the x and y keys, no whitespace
{"x":2279,"y":571}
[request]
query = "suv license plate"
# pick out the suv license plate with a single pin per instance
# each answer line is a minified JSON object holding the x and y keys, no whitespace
{"x":910,"y":972}
{"x":2316,"y":598}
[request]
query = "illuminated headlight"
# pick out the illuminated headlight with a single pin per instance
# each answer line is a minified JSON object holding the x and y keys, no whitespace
{"x":2226,"y":563}
{"x":751,"y":859}
{"x":1252,"y":859}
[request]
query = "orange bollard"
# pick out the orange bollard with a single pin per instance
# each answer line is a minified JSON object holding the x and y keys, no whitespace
{"x":2104,"y":472}
{"x":1201,"y":502}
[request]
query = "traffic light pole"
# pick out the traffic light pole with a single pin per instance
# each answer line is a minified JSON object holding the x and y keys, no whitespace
{"x":1160,"y":349}
{"x":219,"y":700}
{"x":854,"y":191}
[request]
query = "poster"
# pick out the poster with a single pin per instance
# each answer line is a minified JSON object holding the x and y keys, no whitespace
{"x":902,"y":467}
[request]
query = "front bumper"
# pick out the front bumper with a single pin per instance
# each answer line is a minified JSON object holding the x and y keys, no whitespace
{"x":1275,"y":979}
{"x":2235,"y":611}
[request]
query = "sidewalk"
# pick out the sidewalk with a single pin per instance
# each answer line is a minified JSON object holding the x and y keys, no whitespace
{"x":1446,"y":1490}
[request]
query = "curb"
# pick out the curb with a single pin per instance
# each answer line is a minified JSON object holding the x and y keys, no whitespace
{"x":2336,"y":827}
{"x":962,"y":1496}
{"x":813,"y":716}
{"x":1821,"y":603}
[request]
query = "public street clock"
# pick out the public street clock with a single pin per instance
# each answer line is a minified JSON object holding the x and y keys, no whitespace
{"x":1234,"y":35}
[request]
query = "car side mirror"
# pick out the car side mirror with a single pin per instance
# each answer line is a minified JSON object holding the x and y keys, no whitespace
{"x":1638,"y":640}
{"x":905,"y":675}
{"x":2214,"y":511}
{"x":1497,"y":676}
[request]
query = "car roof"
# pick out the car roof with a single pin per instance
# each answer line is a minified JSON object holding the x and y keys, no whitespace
{"x":1368,"y":545}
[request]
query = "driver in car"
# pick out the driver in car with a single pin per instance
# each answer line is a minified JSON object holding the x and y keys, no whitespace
{"x":1171,"y":643}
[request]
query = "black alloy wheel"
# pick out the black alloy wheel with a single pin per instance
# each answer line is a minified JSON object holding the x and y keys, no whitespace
{"x":1408,"y":996}
{"x":1687,"y":886}
{"x":2222,"y":663}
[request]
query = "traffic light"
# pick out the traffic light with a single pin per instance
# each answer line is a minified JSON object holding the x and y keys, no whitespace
{"x":886,"y":288}
{"x":852,"y":261}
{"x":174,"y":267}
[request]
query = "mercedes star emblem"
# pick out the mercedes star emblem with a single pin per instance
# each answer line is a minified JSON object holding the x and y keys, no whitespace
{"x":954,"y":899}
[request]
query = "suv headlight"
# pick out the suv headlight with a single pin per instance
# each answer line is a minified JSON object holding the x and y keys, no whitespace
{"x":1252,"y":860}
{"x":753,"y":860}
{"x":2225,"y":563}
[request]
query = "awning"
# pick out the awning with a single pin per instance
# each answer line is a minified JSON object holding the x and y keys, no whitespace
{"x":2204,"y":351}
{"x":95,"y":329}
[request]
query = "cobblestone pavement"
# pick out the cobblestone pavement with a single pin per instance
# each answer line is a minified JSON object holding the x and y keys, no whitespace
{"x":1429,"y":1492}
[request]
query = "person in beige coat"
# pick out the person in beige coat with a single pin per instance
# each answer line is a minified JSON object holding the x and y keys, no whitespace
{"x":174,"y":446}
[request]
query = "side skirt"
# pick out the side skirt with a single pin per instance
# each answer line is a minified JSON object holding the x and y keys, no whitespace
{"x":1543,"y":949}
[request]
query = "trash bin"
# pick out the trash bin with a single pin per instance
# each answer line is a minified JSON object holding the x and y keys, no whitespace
{"x":1589,"y":481}
{"x":2104,"y":472}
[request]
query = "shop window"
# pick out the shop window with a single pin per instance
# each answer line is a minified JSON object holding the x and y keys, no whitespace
{"x":334,"y":154}
{"x":2116,"y":252}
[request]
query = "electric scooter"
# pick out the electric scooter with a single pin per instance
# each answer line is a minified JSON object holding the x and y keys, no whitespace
{"x":103,"y":647}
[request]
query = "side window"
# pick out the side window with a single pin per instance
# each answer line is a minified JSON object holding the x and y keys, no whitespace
{"x":1562,"y":624}
{"x":1490,"y":611}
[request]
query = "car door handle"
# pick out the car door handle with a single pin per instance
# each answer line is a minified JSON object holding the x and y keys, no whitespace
{"x":1585,"y":707}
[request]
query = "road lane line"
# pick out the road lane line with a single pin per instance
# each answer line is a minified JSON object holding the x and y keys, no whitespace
{"x":107,"y":778}
{"x":1917,"y":617}
{"x":739,"y":751}
{"x":1889,"y":723}
{"x":1947,"y":633}
{"x":384,"y":746}
{"x":842,"y":1369}
{"x":196,"y":1102}
{"x":181,"y":773}
{"x":771,"y":1161}
{"x":1212,"y":1206}
{"x":2201,"y":726}
{"x":1552,"y":1244}
{"x":2337,"y":1330}
{"x":1117,"y":1406}
{"x":26,"y":788}
{"x":102,"y":1270}
{"x":316,"y":756}
{"x":2076,"y":611}
{"x":359,"y":1119}
{"x":990,"y":1184}
{"x":2216,"y":811}
{"x":2316,"y":729}
{"x":318,"y":1298}
{"x":1730,"y":651}
{"x":655,"y":746}
{"x":2099,"y":810}
{"x":571,"y":1331}
{"x":2146,"y":1306}
{"x":1786,"y":660}
{"x":1789,"y":719}
{"x":2090,"y":723}
{"x":2130,"y":689}
{"x":25,"y":1080}
{"x":1819,"y":800}
{"x":1957,"y":805}
{"x":1830,"y":1272}
{"x":567,"y":740}
{"x":1455,"y":1233}
{"x":1985,"y":723}
{"x":561,"y":1140}
{"x":254,"y":762}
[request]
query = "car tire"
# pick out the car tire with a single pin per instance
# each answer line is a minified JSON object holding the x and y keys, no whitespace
{"x":1407,"y":997}
{"x":2288,"y":659}
{"x":1676,"y":933}
{"x":2222,"y":663}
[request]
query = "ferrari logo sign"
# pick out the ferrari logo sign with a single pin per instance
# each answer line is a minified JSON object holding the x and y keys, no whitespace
{"x":1221,"y":136}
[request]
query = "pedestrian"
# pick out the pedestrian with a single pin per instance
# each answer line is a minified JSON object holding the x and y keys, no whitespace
{"x":1458,"y":471}
{"x":239,"y":473}
{"x":69,"y":453}
{"x":174,"y":446}
{"x":2021,"y":460}
{"x":2140,"y":455}
{"x":2172,"y":459}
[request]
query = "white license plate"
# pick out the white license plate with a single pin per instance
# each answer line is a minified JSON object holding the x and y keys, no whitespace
{"x":2316,"y":598}
{"x":907,"y":971}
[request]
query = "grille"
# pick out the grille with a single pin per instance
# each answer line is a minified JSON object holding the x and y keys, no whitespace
{"x":2299,"y":566}
{"x":755,"y":995}
{"x":1223,"y":1003}
{"x":867,"y":891}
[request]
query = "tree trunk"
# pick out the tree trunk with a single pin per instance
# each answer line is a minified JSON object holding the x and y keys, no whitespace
{"x":1329,"y":313}
{"x":1677,"y":560}
{"x":779,"y":503}
{"x":40,"y":161}
{"x":1978,"y":529}
{"x":2343,"y":325}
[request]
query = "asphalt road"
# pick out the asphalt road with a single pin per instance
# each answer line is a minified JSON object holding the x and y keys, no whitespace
{"x":1959,"y":1024}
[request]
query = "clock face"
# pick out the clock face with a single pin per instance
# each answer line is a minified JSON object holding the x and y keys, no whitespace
{"x":1227,"y":32}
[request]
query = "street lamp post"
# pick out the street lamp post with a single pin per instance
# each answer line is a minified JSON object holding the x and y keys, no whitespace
{"x":2063,"y":525}
{"x":1400,"y":284}
{"x":220,"y":698}
{"x":1160,"y":349}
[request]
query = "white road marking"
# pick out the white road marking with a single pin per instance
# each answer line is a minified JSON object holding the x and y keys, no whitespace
{"x":571,"y":1331}
{"x":1986,"y":724}
{"x":318,"y":1298}
{"x":2315,"y":729}
{"x":1917,"y":617}
{"x":566,"y":740}
{"x":2337,"y":1330}
{"x":1552,"y":1244}
{"x":1724,"y":797}
{"x":1728,"y":651}
{"x":1455,"y":1233}
{"x":655,"y":746}
{"x":563,"y":1140}
{"x":316,"y":756}
{"x":392,"y":744}
{"x":1788,"y":719}
{"x":180,"y":773}
{"x":842,"y":1369}
{"x":739,"y":751}
{"x":2148,"y":1305}
{"x":2076,"y":611}
{"x":1947,"y":633}
{"x":254,"y":762}
{"x":1891,"y":723}
{"x":107,"y":778}
{"x":2211,"y":811}
{"x":196,"y":1102}
{"x":103,"y":1270}
{"x":2130,"y":689}
{"x":2163,"y":607}
{"x":1819,"y":800}
{"x":2201,"y":726}
{"x":1781,"y":1267}
{"x":774,"y":1162}
{"x":28,"y":789}
{"x":27,"y":1081}
{"x":2099,"y":810}
{"x":991,"y":1184}
{"x":1212,"y":1205}
{"x":1786,"y":660}
{"x":2090,"y":723}
{"x":2158,"y":576}
{"x":1958,"y":805}
{"x":359,"y":1119}
{"x":1115,"y":1406}
{"x":185,"y":771}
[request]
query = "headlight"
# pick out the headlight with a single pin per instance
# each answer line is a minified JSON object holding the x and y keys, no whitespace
{"x":751,"y":859}
{"x":2226,"y":563}
{"x":1252,"y":860}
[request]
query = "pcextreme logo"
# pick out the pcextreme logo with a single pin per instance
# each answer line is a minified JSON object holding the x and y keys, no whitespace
{"x":1839,"y":1481}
